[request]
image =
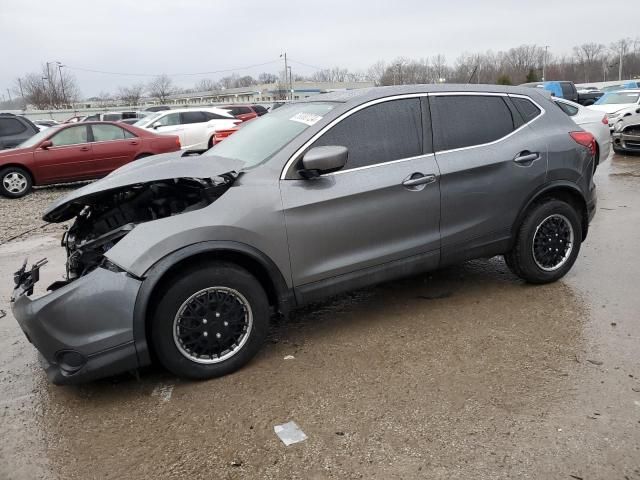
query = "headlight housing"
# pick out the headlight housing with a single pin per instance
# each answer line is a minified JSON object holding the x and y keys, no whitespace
{"x":617,"y":127}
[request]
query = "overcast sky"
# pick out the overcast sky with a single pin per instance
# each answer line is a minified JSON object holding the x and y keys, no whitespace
{"x":186,"y":36}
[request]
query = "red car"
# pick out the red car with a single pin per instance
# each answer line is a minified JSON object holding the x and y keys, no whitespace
{"x":245,"y":112}
{"x":71,"y":152}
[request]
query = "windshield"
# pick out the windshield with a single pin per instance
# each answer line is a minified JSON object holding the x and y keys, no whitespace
{"x":38,"y":137}
{"x":143,"y":122}
{"x":257,"y":141}
{"x":615,"y":98}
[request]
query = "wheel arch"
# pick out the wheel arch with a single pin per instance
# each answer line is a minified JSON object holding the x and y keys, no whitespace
{"x":561,"y":190}
{"x":21,"y":167}
{"x":157,"y":277}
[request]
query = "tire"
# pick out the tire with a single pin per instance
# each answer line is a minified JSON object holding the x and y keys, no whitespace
{"x":233,"y":306}
{"x":553,"y":224}
{"x":15,"y":182}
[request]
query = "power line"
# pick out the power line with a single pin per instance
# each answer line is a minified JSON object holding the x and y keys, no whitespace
{"x":308,"y":65}
{"x":130,"y":74}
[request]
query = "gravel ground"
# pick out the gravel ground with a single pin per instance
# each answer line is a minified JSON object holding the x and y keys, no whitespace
{"x":24,"y":215}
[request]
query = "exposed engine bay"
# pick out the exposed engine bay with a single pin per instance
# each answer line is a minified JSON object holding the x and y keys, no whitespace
{"x":109,"y":216}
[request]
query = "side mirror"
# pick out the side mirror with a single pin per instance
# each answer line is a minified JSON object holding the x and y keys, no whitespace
{"x":321,"y":160}
{"x":156,"y":125}
{"x":46,"y":144}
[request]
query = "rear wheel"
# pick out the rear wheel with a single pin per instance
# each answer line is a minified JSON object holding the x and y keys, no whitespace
{"x":210,"y":321}
{"x":15,"y":182}
{"x":548,"y":242}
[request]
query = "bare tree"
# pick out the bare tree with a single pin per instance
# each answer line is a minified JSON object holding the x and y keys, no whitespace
{"x":161,"y":88}
{"x":131,"y":95}
{"x":620,"y":49}
{"x":376,"y":72}
{"x":267,"y":78}
{"x":55,"y":88}
{"x":207,"y":85}
{"x":589,"y":55}
{"x":439,"y":69}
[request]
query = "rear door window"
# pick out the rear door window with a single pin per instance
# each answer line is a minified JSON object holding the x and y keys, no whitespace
{"x":11,"y":126}
{"x":193,"y":117}
{"x":215,"y":116}
{"x":466,"y":120}
{"x":107,"y":133}
{"x":380,"y":133}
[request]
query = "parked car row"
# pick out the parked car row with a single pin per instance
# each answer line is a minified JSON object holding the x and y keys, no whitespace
{"x":568,"y":91}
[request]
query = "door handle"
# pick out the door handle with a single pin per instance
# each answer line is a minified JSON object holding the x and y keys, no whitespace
{"x":526,"y":157}
{"x":418,"y":178}
{"x":133,"y":143}
{"x":84,"y":149}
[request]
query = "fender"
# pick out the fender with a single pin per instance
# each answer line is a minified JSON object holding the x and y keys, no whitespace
{"x":564,"y":184}
{"x":154,"y":274}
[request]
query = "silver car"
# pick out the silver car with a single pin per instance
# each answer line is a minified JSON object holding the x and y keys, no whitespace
{"x":184,"y":259}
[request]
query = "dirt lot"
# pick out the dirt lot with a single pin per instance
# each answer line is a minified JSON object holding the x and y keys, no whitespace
{"x":22,"y":217}
{"x":464,"y":373}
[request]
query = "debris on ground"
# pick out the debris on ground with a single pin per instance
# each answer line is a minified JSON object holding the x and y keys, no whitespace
{"x":236,"y":463}
{"x":595,"y":362}
{"x":289,"y":433}
{"x":163,"y":391}
{"x":289,"y":357}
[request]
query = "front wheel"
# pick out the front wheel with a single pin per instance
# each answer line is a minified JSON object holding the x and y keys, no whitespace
{"x":210,"y":321}
{"x":548,"y":242}
{"x":15,"y":182}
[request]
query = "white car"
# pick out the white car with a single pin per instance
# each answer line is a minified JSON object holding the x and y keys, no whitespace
{"x":594,"y":122}
{"x":615,"y":104}
{"x":196,"y":127}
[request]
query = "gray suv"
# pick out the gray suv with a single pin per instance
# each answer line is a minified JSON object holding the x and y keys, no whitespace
{"x":184,"y":259}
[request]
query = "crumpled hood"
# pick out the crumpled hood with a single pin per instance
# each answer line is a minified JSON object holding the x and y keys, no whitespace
{"x":150,"y":169}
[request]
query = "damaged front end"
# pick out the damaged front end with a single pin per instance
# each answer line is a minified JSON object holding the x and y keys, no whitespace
{"x":107,"y":217}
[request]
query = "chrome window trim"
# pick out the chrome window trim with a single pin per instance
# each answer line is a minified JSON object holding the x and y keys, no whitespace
{"x":299,"y":151}
{"x":365,"y":167}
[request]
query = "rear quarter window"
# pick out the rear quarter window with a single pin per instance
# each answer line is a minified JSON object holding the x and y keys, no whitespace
{"x":526,"y":107}
{"x":466,"y":120}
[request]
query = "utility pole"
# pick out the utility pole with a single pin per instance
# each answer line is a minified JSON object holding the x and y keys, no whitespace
{"x":620,"y":64}
{"x":290,"y":82}
{"x":286,"y":67}
{"x":64,"y":95}
{"x":22,"y":94}
{"x":544,"y":63}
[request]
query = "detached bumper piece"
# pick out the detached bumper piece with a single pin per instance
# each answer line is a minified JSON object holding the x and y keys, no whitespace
{"x":83,"y":329}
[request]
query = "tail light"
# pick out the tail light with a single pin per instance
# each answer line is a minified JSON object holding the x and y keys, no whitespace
{"x":178,"y":142}
{"x":586,"y":140}
{"x":605,"y":119}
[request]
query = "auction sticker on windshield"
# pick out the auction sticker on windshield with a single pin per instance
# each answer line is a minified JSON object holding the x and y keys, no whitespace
{"x":306,"y":118}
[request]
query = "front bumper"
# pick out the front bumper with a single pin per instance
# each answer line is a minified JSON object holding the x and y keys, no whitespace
{"x":84,"y":329}
{"x":626,"y":142}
